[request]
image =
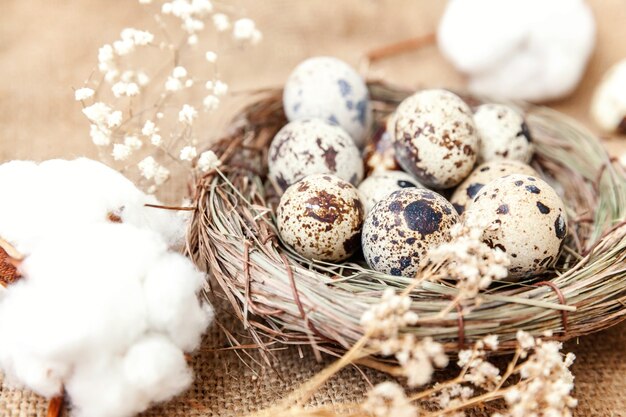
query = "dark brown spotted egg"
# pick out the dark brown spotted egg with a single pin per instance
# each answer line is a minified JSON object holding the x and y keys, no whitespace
{"x":503,"y":134}
{"x":435,"y":138}
{"x":320,"y":217}
{"x":484,"y":174}
{"x":525,"y":218}
{"x":380,"y":184}
{"x":402,"y":227}
{"x":312,"y":146}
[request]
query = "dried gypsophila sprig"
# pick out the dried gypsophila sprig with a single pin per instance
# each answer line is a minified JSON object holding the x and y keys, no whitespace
{"x":469,"y":261}
{"x":144,"y":120}
{"x":539,"y":385}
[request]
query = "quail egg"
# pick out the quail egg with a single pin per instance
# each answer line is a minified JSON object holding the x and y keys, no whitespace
{"x":525,"y":218}
{"x":329,"y":89}
{"x":380,"y":184}
{"x":435,"y":138}
{"x":484,"y":174}
{"x":312,"y":146}
{"x":320,"y":217}
{"x":503,"y":134}
{"x":402,"y":227}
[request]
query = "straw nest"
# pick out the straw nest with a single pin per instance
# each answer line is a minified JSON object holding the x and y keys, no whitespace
{"x":281,"y":297}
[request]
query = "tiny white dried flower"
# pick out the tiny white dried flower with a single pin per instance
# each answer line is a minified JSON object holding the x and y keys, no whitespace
{"x":211,"y":102}
{"x":119,"y":89}
{"x":173,"y":84}
{"x":159,"y":115}
{"x":121,"y":152}
{"x":208,"y":160}
{"x":209,"y":85}
{"x":243,"y":29}
{"x":221,"y":22}
{"x":525,"y":340}
{"x":148,"y":167}
{"x":123,"y":47}
{"x":491,"y":341}
{"x":192,"y":39}
{"x":142,"y":78}
{"x":388,"y":399}
{"x":97,"y":112}
{"x":188,"y":153}
{"x":187,"y":114}
{"x":156,"y":140}
{"x":201,"y":7}
{"x":137,"y":37}
{"x":220,"y":88}
{"x":179,"y":72}
{"x":145,"y":1}
{"x":189,"y":83}
{"x":132,"y":89}
{"x":99,"y":137}
{"x":211,"y":56}
{"x":149,"y":128}
{"x":133,"y":142}
{"x":166,"y":8}
{"x":83,"y":93}
{"x":114,"y":119}
{"x":257,"y":37}
{"x":162,"y":174}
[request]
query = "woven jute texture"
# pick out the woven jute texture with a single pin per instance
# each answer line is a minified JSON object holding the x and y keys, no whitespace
{"x":49,"y":46}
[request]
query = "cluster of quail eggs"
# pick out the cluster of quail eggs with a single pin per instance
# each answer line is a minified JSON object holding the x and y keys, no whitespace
{"x":346,"y":189}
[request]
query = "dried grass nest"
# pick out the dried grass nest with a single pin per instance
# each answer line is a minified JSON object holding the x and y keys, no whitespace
{"x":281,"y":297}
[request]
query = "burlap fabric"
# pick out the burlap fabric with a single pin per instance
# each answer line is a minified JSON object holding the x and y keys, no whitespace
{"x":48,"y":46}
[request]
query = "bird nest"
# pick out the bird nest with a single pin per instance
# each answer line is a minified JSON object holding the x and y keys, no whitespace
{"x":281,"y":297}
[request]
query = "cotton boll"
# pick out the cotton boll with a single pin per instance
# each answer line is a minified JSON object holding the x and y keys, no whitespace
{"x":608,"y":106}
{"x":171,"y":303}
{"x":156,"y":368}
{"x":104,"y":310}
{"x":48,"y":197}
{"x":153,"y":370}
{"x":530,"y":50}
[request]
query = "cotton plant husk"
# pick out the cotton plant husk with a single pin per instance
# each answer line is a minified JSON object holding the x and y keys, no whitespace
{"x":282,"y":297}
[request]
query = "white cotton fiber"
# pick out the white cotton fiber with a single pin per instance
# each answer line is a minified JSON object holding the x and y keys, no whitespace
{"x":53,"y":195}
{"x":104,"y":310}
{"x":532,"y":50}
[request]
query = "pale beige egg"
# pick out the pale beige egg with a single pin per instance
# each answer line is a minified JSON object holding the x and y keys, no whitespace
{"x":525,"y":218}
{"x":435,"y":138}
{"x":484,"y":174}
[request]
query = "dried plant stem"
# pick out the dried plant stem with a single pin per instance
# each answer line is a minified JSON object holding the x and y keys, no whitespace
{"x":55,"y":406}
{"x":400,"y":47}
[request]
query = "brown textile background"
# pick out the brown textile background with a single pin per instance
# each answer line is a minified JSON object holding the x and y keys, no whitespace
{"x":49,"y":46}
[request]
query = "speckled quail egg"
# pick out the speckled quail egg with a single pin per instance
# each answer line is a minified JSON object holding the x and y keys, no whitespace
{"x":503,"y":134}
{"x":402,"y":227}
{"x":329,"y":89}
{"x":380,"y":184}
{"x":484,"y":174}
{"x":320,"y":217}
{"x":312,"y":146}
{"x":435,"y":138}
{"x":525,"y":218}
